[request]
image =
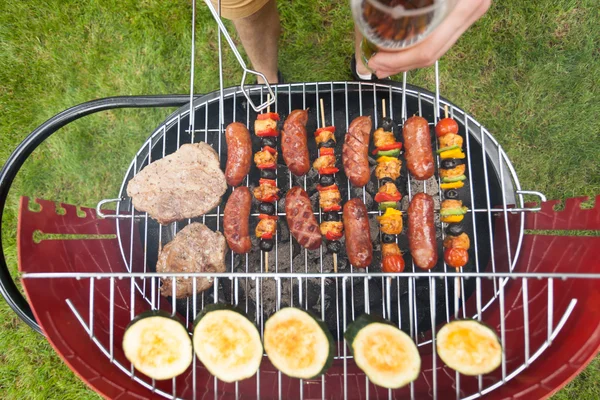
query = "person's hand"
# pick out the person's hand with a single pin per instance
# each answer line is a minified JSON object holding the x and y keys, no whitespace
{"x":424,"y":54}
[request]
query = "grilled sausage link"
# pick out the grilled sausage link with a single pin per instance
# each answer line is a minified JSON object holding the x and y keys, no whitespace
{"x":235,"y":221}
{"x":421,"y":231}
{"x":417,"y":146}
{"x":239,"y":153}
{"x":355,"y":153}
{"x":358,"y":233}
{"x":301,"y":220}
{"x":293,"y":142}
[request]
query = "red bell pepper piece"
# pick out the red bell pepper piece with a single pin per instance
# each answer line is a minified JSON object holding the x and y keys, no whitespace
{"x":381,"y":197}
{"x":267,"y":235}
{"x":269,"y":115}
{"x":263,"y":181}
{"x":328,"y":170}
{"x":270,"y":149}
{"x":326,"y":128}
{"x":267,"y":216}
{"x":324,"y":188}
{"x":268,"y":133}
{"x":333,"y":236}
{"x":392,"y":146}
{"x":270,"y":165}
{"x":327,"y":151}
{"x":337,"y":207}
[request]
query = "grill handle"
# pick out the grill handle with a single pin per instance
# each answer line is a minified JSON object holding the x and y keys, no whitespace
{"x":9,"y":290}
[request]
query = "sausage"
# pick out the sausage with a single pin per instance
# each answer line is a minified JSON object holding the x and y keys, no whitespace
{"x":301,"y":220}
{"x":417,"y":147}
{"x":239,"y":153}
{"x":355,"y":152}
{"x":235,"y":220}
{"x":421,"y":231}
{"x":358,"y":233}
{"x":293,"y":142}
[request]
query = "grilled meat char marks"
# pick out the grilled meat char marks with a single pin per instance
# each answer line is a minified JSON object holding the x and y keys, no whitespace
{"x":355,"y":152}
{"x":294,"y":145}
{"x":235,"y":220}
{"x":185,"y":184}
{"x":358,"y":233}
{"x":196,"y":248}
{"x":301,"y":220}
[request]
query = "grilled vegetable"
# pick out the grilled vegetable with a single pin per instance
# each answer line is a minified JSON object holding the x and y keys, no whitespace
{"x":456,"y":257}
{"x":158,"y":345}
{"x":448,"y":179}
{"x":266,"y":244}
{"x":387,"y":355}
{"x":267,"y":173}
{"x":469,"y":347}
{"x":334,"y":246}
{"x":391,"y":221}
{"x":452,"y":218}
{"x":454,"y":229}
{"x":446,"y":126}
{"x":452,"y":211}
{"x":394,"y":263}
{"x":453,"y":185}
{"x":266,"y":208}
{"x":388,"y":153}
{"x":455,"y":153}
{"x":448,"y":148}
{"x":298,"y":344}
{"x":227,"y":342}
{"x":327,"y":180}
{"x":387,"y":204}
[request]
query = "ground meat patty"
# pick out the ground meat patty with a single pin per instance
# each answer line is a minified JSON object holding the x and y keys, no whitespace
{"x":239,"y":153}
{"x":421,"y":231}
{"x":301,"y":220}
{"x":417,"y":148}
{"x":185,"y":184}
{"x":358,"y":234}
{"x":235,"y":220}
{"x":355,"y":152}
{"x":294,"y":146}
{"x":195,"y":248}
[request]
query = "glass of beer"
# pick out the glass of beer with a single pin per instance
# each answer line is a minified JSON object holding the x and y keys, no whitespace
{"x":396,"y":24}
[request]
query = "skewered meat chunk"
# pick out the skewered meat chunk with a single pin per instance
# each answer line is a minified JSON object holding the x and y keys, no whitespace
{"x":329,"y":198}
{"x":265,"y":226}
{"x":382,"y":138}
{"x":324,"y":162}
{"x":264,"y":157}
{"x":461,"y":241}
{"x":388,"y":169}
{"x":456,"y":171}
{"x":451,"y":139}
{"x":333,"y":227}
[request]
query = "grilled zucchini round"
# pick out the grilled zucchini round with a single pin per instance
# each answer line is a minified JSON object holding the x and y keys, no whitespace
{"x":298,"y":344}
{"x":158,"y":345}
{"x":386,"y":355}
{"x":227,"y":342}
{"x":469,"y":347}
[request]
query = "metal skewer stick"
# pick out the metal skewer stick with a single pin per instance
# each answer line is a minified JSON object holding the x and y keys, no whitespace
{"x":335,"y":260}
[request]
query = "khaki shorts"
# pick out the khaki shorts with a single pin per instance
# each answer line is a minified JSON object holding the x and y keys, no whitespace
{"x":236,"y":9}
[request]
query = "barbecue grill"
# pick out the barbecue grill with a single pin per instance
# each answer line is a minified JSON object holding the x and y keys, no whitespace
{"x":88,"y":272}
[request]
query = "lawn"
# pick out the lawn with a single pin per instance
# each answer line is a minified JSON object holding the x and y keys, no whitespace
{"x":529,"y":71}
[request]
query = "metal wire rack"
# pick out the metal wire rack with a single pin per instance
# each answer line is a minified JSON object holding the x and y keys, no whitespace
{"x":526,"y":321}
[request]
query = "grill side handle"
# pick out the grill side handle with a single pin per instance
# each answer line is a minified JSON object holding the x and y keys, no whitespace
{"x":9,"y":171}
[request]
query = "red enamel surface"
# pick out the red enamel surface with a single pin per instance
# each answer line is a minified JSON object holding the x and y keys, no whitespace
{"x":572,"y":349}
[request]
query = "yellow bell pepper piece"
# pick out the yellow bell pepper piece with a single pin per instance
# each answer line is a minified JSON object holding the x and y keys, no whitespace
{"x":456,"y":153}
{"x":391,"y":212}
{"x":451,"y":218}
{"x":452,"y":185}
{"x":386,"y":158}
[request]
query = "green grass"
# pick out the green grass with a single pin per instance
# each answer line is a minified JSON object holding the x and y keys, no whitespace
{"x":529,"y":71}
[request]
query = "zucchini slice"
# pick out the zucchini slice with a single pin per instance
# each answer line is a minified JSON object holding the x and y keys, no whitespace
{"x":386,"y":355}
{"x":298,"y":344}
{"x":469,"y":347}
{"x":158,"y":345}
{"x":227,"y":342}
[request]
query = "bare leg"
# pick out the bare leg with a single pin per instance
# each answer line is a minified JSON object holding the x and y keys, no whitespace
{"x":360,"y":66}
{"x":260,"y":36}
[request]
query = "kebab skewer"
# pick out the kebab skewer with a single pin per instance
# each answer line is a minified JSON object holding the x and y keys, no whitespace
{"x":267,"y":192}
{"x":331,"y":227}
{"x":387,"y":152}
